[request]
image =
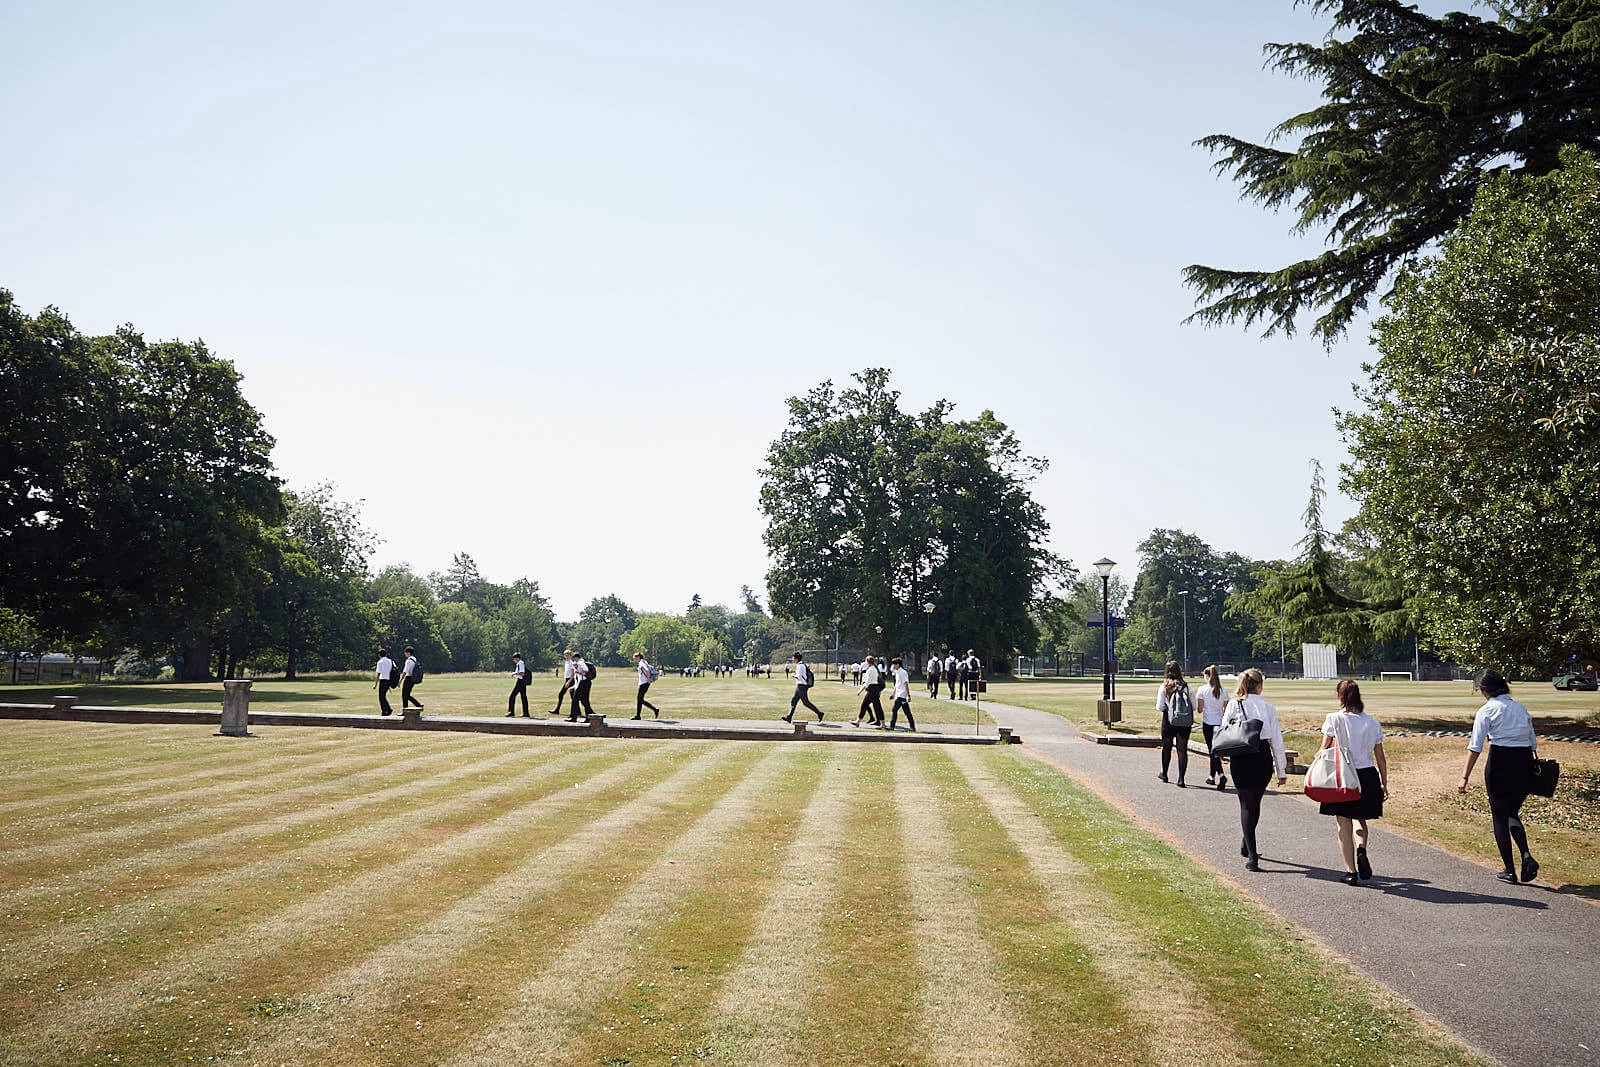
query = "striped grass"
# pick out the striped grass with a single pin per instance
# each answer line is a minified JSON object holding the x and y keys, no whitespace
{"x":525,"y":900}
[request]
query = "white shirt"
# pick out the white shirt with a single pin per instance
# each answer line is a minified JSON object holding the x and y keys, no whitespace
{"x":870,"y":676}
{"x":1504,"y":722}
{"x":1361,"y":732}
{"x":1256,"y":707}
{"x":902,"y":683}
{"x":644,"y":671}
{"x":566,"y":671}
{"x":974,"y":664}
{"x":411,"y":666}
{"x":385,"y":668}
{"x":580,"y":669}
{"x":521,"y":670}
{"x":949,"y":664}
{"x":935,"y":666}
{"x":1210,"y":705}
{"x":1164,"y":701}
{"x":802,"y":673}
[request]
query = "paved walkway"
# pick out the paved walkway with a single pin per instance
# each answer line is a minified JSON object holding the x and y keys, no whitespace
{"x":1512,"y":970}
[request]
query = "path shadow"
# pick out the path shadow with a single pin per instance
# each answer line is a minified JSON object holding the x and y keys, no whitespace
{"x":1425,"y":891}
{"x":1592,"y":892}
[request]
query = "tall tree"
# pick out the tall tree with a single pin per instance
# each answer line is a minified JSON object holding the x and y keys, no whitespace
{"x":1477,"y":451}
{"x":1418,"y":111}
{"x":1172,"y":562}
{"x":601,"y":625}
{"x":854,"y":536}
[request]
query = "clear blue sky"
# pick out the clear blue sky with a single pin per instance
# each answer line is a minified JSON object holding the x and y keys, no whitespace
{"x":474,"y":260}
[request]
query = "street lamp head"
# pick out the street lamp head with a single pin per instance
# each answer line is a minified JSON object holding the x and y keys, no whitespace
{"x":878,"y":629}
{"x":1104,"y":566}
{"x":928,"y":607}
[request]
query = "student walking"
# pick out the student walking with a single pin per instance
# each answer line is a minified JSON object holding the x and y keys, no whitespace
{"x":1252,"y":771}
{"x":872,"y":686}
{"x":647,"y":674}
{"x":902,"y":695}
{"x":1176,"y":705}
{"x":566,"y":680}
{"x":1508,"y":773}
{"x":408,"y":679}
{"x":519,"y":686}
{"x":1362,"y":738}
{"x":974,"y":674}
{"x":1209,"y":700}
{"x":804,"y":679}
{"x":582,"y":679}
{"x":950,"y":671}
{"x":963,"y":674}
{"x":935,"y":669}
{"x":385,"y":681}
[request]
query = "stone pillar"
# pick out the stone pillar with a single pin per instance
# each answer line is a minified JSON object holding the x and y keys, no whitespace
{"x":235,"y":708}
{"x":63,"y":703}
{"x":596,"y":723}
{"x":800,"y":730}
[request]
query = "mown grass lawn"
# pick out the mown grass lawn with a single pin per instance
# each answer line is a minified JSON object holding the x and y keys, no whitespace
{"x":345,"y":897}
{"x":1424,"y":771}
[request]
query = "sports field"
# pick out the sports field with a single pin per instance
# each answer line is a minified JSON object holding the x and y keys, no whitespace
{"x":352,"y":897}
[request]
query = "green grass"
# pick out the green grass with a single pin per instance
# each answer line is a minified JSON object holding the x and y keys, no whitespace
{"x":345,"y":897}
{"x":485,"y":694}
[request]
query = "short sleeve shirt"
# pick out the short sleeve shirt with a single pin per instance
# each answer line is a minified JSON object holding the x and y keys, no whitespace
{"x":644,"y":672}
{"x":1363,"y":731}
{"x":386,"y":669}
{"x":1503,"y":722}
{"x":411,"y":666}
{"x":1210,"y":705}
{"x":902,"y":683}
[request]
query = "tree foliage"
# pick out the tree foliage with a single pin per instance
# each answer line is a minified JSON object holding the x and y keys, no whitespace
{"x":1418,"y":110}
{"x":1172,"y":561}
{"x":1477,"y":454}
{"x":872,"y":511}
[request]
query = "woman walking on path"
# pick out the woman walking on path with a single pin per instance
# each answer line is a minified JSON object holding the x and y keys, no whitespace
{"x":1209,"y":701}
{"x":871,"y":685}
{"x":1252,"y":771}
{"x":647,"y":674}
{"x":1176,"y":706}
{"x":1508,"y":774}
{"x":1362,"y":737}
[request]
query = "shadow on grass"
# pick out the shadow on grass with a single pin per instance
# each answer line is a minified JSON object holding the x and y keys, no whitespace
{"x":1546,"y":725}
{"x":1590,"y":892}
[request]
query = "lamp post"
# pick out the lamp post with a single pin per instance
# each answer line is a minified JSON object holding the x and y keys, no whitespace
{"x":1185,"y":594}
{"x":1109,"y":710}
{"x":927,"y":612}
{"x":879,"y":631}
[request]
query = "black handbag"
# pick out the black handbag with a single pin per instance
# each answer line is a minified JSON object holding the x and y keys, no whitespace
{"x":1542,"y":780}
{"x":1238,"y":734}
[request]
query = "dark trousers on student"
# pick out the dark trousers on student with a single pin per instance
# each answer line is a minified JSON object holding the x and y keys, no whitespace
{"x":872,"y":703}
{"x":933,"y":687}
{"x":894,"y":713}
{"x":519,"y":689}
{"x":406,"y":699}
{"x":802,"y":695}
{"x":1209,"y":728}
{"x":561,"y":694}
{"x":950,"y":680}
{"x":1172,"y":737}
{"x":962,"y":681}
{"x":640,"y":703}
{"x":580,"y":699}
{"x":383,"y":696}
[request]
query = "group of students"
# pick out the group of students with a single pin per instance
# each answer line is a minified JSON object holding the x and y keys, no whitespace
{"x":961,"y":675}
{"x":1501,"y":723}
{"x":577,"y":678}
{"x":389,"y":675}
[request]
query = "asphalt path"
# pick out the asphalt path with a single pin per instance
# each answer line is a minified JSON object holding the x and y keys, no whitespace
{"x":1513,"y":970}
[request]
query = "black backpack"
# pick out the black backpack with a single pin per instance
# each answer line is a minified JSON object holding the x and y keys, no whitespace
{"x":416,"y":675}
{"x":1180,"y":709}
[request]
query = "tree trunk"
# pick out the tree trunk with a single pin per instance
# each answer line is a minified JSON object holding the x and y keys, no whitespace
{"x":197,"y":659}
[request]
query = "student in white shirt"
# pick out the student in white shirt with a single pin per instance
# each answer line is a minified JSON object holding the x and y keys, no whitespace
{"x":1209,"y":700}
{"x":1252,"y":771}
{"x":1362,"y":737}
{"x":872,"y":686}
{"x":566,"y":680}
{"x":1508,"y":728}
{"x":935,"y":669}
{"x":804,"y":679}
{"x":902,"y":695}
{"x":519,"y":686}
{"x":408,"y":678}
{"x":582,"y":678}
{"x":640,"y":703}
{"x":974,"y":667}
{"x":1170,"y":697}
{"x":950,"y":671}
{"x":385,"y":681}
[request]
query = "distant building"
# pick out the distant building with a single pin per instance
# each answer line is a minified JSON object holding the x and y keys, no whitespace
{"x":27,"y":669}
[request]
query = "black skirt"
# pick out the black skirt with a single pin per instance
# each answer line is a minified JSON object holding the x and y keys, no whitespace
{"x":1509,"y":772}
{"x":1370,"y":804}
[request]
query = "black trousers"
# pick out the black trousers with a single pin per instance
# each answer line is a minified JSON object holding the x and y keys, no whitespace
{"x":965,"y":681}
{"x":933,"y":686}
{"x":383,"y":696}
{"x":1170,"y":738}
{"x":518,"y":689}
{"x":872,"y":703}
{"x":950,"y":680}
{"x":561,"y":694}
{"x":802,"y":695}
{"x":894,"y":713}
{"x":1209,"y":728}
{"x":580,"y":698}
{"x":640,"y":703}
{"x":406,"y":699}
{"x":1249,"y":817}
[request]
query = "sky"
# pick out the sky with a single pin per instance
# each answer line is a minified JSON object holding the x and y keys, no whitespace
{"x":533,"y":281}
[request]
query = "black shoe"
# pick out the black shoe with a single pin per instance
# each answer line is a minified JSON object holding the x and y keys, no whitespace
{"x":1530,"y":868}
{"x":636,"y":718}
{"x":1348,"y":878}
{"x":1363,"y":867}
{"x":1162,"y":776}
{"x":525,"y":715}
{"x":1181,"y":785}
{"x":1222,"y":781}
{"x":385,"y":713}
{"x":789,"y":717}
{"x":819,"y":716}
{"x":572,"y":718}
{"x":1211,"y":780}
{"x":1252,"y":865}
{"x":1506,"y":876}
{"x":511,"y":715}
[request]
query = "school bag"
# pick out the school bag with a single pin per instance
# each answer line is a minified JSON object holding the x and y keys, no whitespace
{"x":655,"y":674}
{"x":416,"y":675}
{"x":1332,"y":777}
{"x":1180,"y":709}
{"x":1238,"y":734}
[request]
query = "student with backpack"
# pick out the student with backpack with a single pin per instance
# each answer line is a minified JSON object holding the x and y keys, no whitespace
{"x":410,"y":676}
{"x":647,"y":674}
{"x":566,"y":680}
{"x":582,"y":680}
{"x":872,"y":686}
{"x":935,"y":669}
{"x":804,"y":679}
{"x":1176,"y":705}
{"x":519,"y":686}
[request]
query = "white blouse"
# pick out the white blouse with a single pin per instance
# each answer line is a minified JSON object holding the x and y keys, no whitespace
{"x":1361,"y":732}
{"x":1256,"y":707}
{"x":1503,"y":722}
{"x":1210,"y":706}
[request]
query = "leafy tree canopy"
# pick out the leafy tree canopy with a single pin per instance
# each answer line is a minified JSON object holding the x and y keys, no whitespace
{"x":664,"y":639}
{"x":1418,"y":110}
{"x":1172,"y":561}
{"x":600,"y":628}
{"x":1477,"y":453}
